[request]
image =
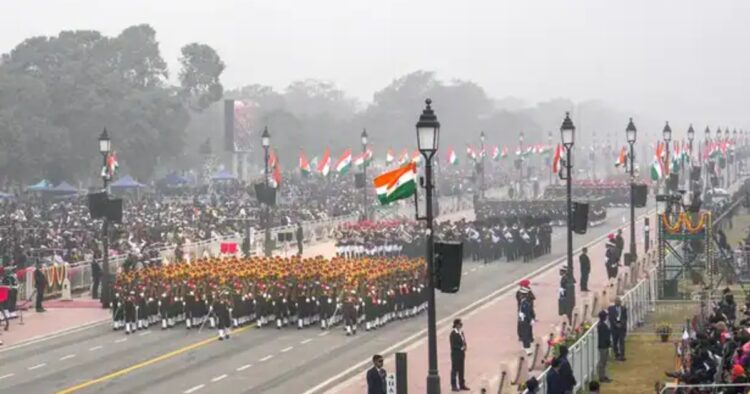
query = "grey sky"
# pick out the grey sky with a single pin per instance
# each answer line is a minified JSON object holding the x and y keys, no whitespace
{"x":680,"y":60}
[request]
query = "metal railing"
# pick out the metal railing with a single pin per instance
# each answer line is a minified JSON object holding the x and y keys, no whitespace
{"x":583,"y":355}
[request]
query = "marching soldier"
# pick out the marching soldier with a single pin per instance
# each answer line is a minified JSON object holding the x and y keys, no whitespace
{"x":566,"y":300}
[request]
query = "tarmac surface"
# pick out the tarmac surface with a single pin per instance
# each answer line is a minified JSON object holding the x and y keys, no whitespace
{"x":99,"y":360}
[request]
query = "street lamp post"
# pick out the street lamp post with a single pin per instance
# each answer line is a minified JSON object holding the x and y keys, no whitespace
{"x":726,"y":159}
{"x":428,"y":133}
{"x":567,"y":132}
{"x":364,"y":173}
{"x":105,"y":147}
{"x":706,"y":176}
{"x":265,"y":140}
{"x":630,"y":133}
{"x":481,"y":185}
{"x":690,"y":136}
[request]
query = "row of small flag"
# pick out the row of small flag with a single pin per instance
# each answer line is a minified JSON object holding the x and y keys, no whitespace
{"x":324,"y":164}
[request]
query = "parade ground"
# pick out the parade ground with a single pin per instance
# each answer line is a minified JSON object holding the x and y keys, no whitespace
{"x":96,"y":359}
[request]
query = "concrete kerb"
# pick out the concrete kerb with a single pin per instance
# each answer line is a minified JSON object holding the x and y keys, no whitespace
{"x":412,"y":341}
{"x":55,"y":334}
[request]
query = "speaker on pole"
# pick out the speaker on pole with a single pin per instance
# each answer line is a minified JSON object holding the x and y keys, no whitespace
{"x":113,"y":210}
{"x":97,"y":205}
{"x":580,"y":217}
{"x":448,"y":262}
{"x":640,"y":195}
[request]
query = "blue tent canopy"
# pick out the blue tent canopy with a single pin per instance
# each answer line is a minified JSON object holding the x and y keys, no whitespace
{"x":174,"y":180}
{"x":64,"y":188}
{"x":126,"y":182}
{"x":223,"y":175}
{"x":39,"y":186}
{"x":6,"y":196}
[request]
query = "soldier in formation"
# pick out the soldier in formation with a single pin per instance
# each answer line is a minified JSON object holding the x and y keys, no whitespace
{"x":231,"y":292}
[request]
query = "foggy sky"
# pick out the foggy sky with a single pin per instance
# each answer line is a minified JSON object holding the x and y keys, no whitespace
{"x":684,"y":61}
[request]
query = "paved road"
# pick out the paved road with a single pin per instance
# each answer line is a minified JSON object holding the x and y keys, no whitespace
{"x":253,"y":361}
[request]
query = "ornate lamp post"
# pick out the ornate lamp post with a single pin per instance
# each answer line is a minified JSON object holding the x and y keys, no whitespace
{"x":105,"y":147}
{"x":630,"y":133}
{"x":428,"y":136}
{"x":567,"y":132}
{"x":265,"y":140}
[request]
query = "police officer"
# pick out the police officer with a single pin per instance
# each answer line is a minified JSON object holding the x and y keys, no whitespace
{"x":585,"y":263}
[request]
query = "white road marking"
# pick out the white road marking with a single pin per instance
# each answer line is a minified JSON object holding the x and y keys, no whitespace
{"x":37,"y":366}
{"x":95,"y":348}
{"x":287,"y":349}
{"x":494,"y":296}
{"x":121,"y":340}
{"x":193,"y":389}
{"x":306,"y":341}
{"x":266,"y":358}
{"x":322,"y":334}
{"x":244,"y":367}
{"x":7,"y":376}
{"x":144,"y":333}
{"x":67,"y":357}
{"x":218,"y":378}
{"x":473,"y":269}
{"x":466,"y":273}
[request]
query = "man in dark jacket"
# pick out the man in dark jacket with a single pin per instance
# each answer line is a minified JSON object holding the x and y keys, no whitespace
{"x":583,"y":259}
{"x":376,"y":376}
{"x":605,"y":342}
{"x":458,"y":356}
{"x":554,"y":380}
{"x":618,"y":323}
{"x":96,"y":275}
{"x":568,"y":381}
{"x":40,"y":284}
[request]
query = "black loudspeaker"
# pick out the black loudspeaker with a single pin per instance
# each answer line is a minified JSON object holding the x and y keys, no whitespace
{"x":97,"y":205}
{"x":229,"y":125}
{"x":265,"y":194}
{"x":711,"y":167}
{"x":640,"y":194}
{"x":289,"y":237}
{"x":715,"y":181}
{"x":280,"y":237}
{"x":580,"y":217}
{"x":517,"y":164}
{"x":113,"y":210}
{"x":722,"y":163}
{"x":695,"y":173}
{"x":673,"y":182}
{"x":359,"y":180}
{"x":448,"y":262}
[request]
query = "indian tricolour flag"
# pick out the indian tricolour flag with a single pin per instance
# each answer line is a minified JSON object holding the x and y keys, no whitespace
{"x":397,"y":184}
{"x":495,"y":153}
{"x":363,"y":158}
{"x":452,"y":157}
{"x":416,"y":157}
{"x":324,"y":166}
{"x":656,"y":172}
{"x":304,"y":165}
{"x":344,"y":162}
{"x":389,"y":158}
{"x":403,"y":158}
{"x":504,"y":153}
{"x":621,"y":158}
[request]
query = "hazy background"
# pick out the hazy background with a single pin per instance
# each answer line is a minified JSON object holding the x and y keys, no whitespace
{"x":683,"y":61}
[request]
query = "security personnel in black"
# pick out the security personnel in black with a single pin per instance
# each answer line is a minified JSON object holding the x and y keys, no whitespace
{"x":96,"y":275}
{"x":566,"y":301}
{"x":526,"y":316}
{"x":458,"y":357}
{"x":585,"y":263}
{"x":40,"y":284}
{"x":221,"y":309}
